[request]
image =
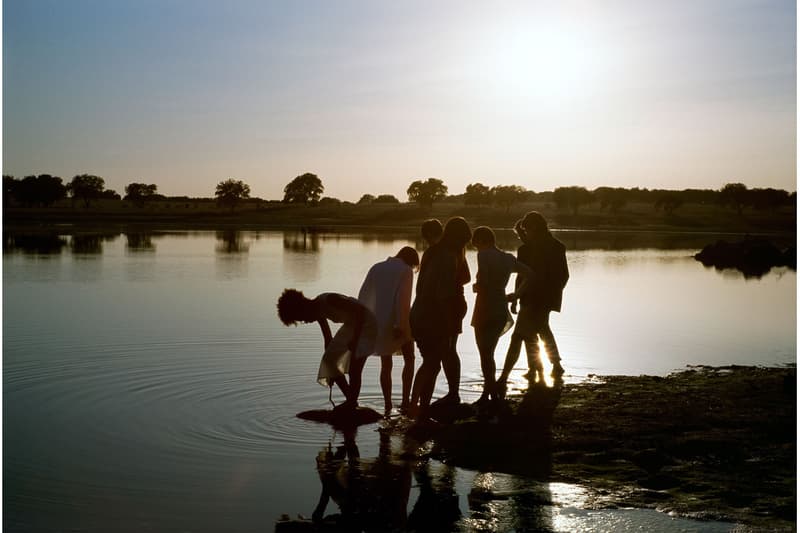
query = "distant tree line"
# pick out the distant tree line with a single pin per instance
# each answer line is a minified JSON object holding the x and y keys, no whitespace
{"x":45,"y":190}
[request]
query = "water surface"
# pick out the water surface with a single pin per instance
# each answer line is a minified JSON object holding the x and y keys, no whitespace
{"x":148,"y":384}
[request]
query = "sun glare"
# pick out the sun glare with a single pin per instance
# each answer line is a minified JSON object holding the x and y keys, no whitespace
{"x":546,"y":66}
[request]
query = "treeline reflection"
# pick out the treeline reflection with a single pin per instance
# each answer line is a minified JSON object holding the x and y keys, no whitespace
{"x":308,"y":240}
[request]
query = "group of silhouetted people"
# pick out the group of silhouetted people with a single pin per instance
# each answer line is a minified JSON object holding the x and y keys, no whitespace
{"x":383,"y":320}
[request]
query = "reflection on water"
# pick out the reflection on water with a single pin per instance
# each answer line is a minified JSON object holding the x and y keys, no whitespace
{"x":301,"y":241}
{"x":90,"y":243}
{"x":370,"y":493}
{"x":141,"y":392}
{"x":39,"y":244}
{"x":139,"y":242}
{"x":231,"y":241}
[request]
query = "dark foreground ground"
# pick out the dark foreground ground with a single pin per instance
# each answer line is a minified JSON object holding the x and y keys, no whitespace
{"x":705,"y":443}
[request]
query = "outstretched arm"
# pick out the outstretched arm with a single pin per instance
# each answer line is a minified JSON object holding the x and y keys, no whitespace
{"x":326,"y":330}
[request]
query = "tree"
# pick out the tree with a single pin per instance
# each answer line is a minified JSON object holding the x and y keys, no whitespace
{"x":477,"y":194}
{"x":9,"y":188}
{"x":669,"y":202}
{"x":386,"y":199}
{"x":110,"y":194}
{"x":572,"y":197}
{"x":508,"y":195}
{"x":86,"y":187}
{"x":231,"y":191}
{"x":767,"y":198}
{"x":734,"y":195}
{"x":426,"y":192}
{"x":139,"y":193}
{"x":43,"y":189}
{"x":304,"y":189}
{"x":366,"y":199}
{"x":612,"y":198}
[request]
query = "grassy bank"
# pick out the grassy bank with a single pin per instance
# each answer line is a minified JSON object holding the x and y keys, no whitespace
{"x":203,"y":214}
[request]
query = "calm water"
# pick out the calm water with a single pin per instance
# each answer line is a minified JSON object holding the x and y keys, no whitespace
{"x":148,"y":384}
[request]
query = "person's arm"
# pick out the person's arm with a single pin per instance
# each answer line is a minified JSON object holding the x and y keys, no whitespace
{"x":564,"y":267}
{"x":463,"y":270}
{"x":352,"y":309}
{"x":402,"y":304}
{"x":524,"y":275}
{"x":326,"y":330}
{"x":483,"y":265}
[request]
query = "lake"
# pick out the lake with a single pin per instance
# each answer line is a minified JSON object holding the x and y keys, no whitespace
{"x":148,"y":384}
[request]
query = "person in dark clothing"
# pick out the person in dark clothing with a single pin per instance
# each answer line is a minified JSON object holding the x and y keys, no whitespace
{"x":546,"y":257}
{"x":439,"y":308}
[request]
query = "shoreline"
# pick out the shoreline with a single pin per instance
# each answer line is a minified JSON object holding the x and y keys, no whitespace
{"x":708,"y":443}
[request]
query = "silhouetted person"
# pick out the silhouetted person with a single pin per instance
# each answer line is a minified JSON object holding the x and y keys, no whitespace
{"x":431,"y":231}
{"x":546,"y":256}
{"x":386,"y":291}
{"x":438,"y":310}
{"x":344,"y":353}
{"x":491,"y":317}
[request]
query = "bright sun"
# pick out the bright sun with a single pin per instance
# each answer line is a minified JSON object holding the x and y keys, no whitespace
{"x":549,"y":65}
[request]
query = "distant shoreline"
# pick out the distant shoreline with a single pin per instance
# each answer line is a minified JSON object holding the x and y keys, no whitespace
{"x":693,"y":218}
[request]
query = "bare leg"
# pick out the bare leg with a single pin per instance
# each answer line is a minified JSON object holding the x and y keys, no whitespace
{"x":408,"y":372}
{"x":512,"y":356}
{"x":451,"y":364}
{"x":552,"y":349}
{"x":425,"y":381}
{"x":534,"y":359}
{"x":386,"y":381}
{"x":356,"y":368}
{"x":341,"y":382}
{"x":487,"y":342}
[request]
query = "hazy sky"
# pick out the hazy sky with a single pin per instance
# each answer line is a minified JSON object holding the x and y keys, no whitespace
{"x":371,"y":95}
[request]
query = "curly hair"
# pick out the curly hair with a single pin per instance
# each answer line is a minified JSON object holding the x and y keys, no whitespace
{"x":290,"y":304}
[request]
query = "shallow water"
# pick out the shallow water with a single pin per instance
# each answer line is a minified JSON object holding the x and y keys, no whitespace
{"x":148,"y":384}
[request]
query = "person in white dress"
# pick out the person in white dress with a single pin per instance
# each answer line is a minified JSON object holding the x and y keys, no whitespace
{"x":386,"y":291}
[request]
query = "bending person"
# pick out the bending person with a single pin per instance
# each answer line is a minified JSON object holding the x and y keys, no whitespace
{"x":347,"y":351}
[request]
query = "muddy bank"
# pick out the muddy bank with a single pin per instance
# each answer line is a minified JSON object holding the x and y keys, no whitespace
{"x":707,"y":443}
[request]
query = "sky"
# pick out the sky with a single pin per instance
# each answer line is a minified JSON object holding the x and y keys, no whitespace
{"x":372,"y":95}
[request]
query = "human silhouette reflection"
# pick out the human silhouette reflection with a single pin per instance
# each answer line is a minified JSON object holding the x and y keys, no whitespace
{"x":303,"y":240}
{"x":231,"y":241}
{"x":501,"y":502}
{"x":436,"y":508}
{"x":371,"y":494}
{"x":44,"y":244}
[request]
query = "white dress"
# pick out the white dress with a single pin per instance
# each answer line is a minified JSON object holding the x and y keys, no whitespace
{"x":336,"y":359}
{"x":386,"y":292}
